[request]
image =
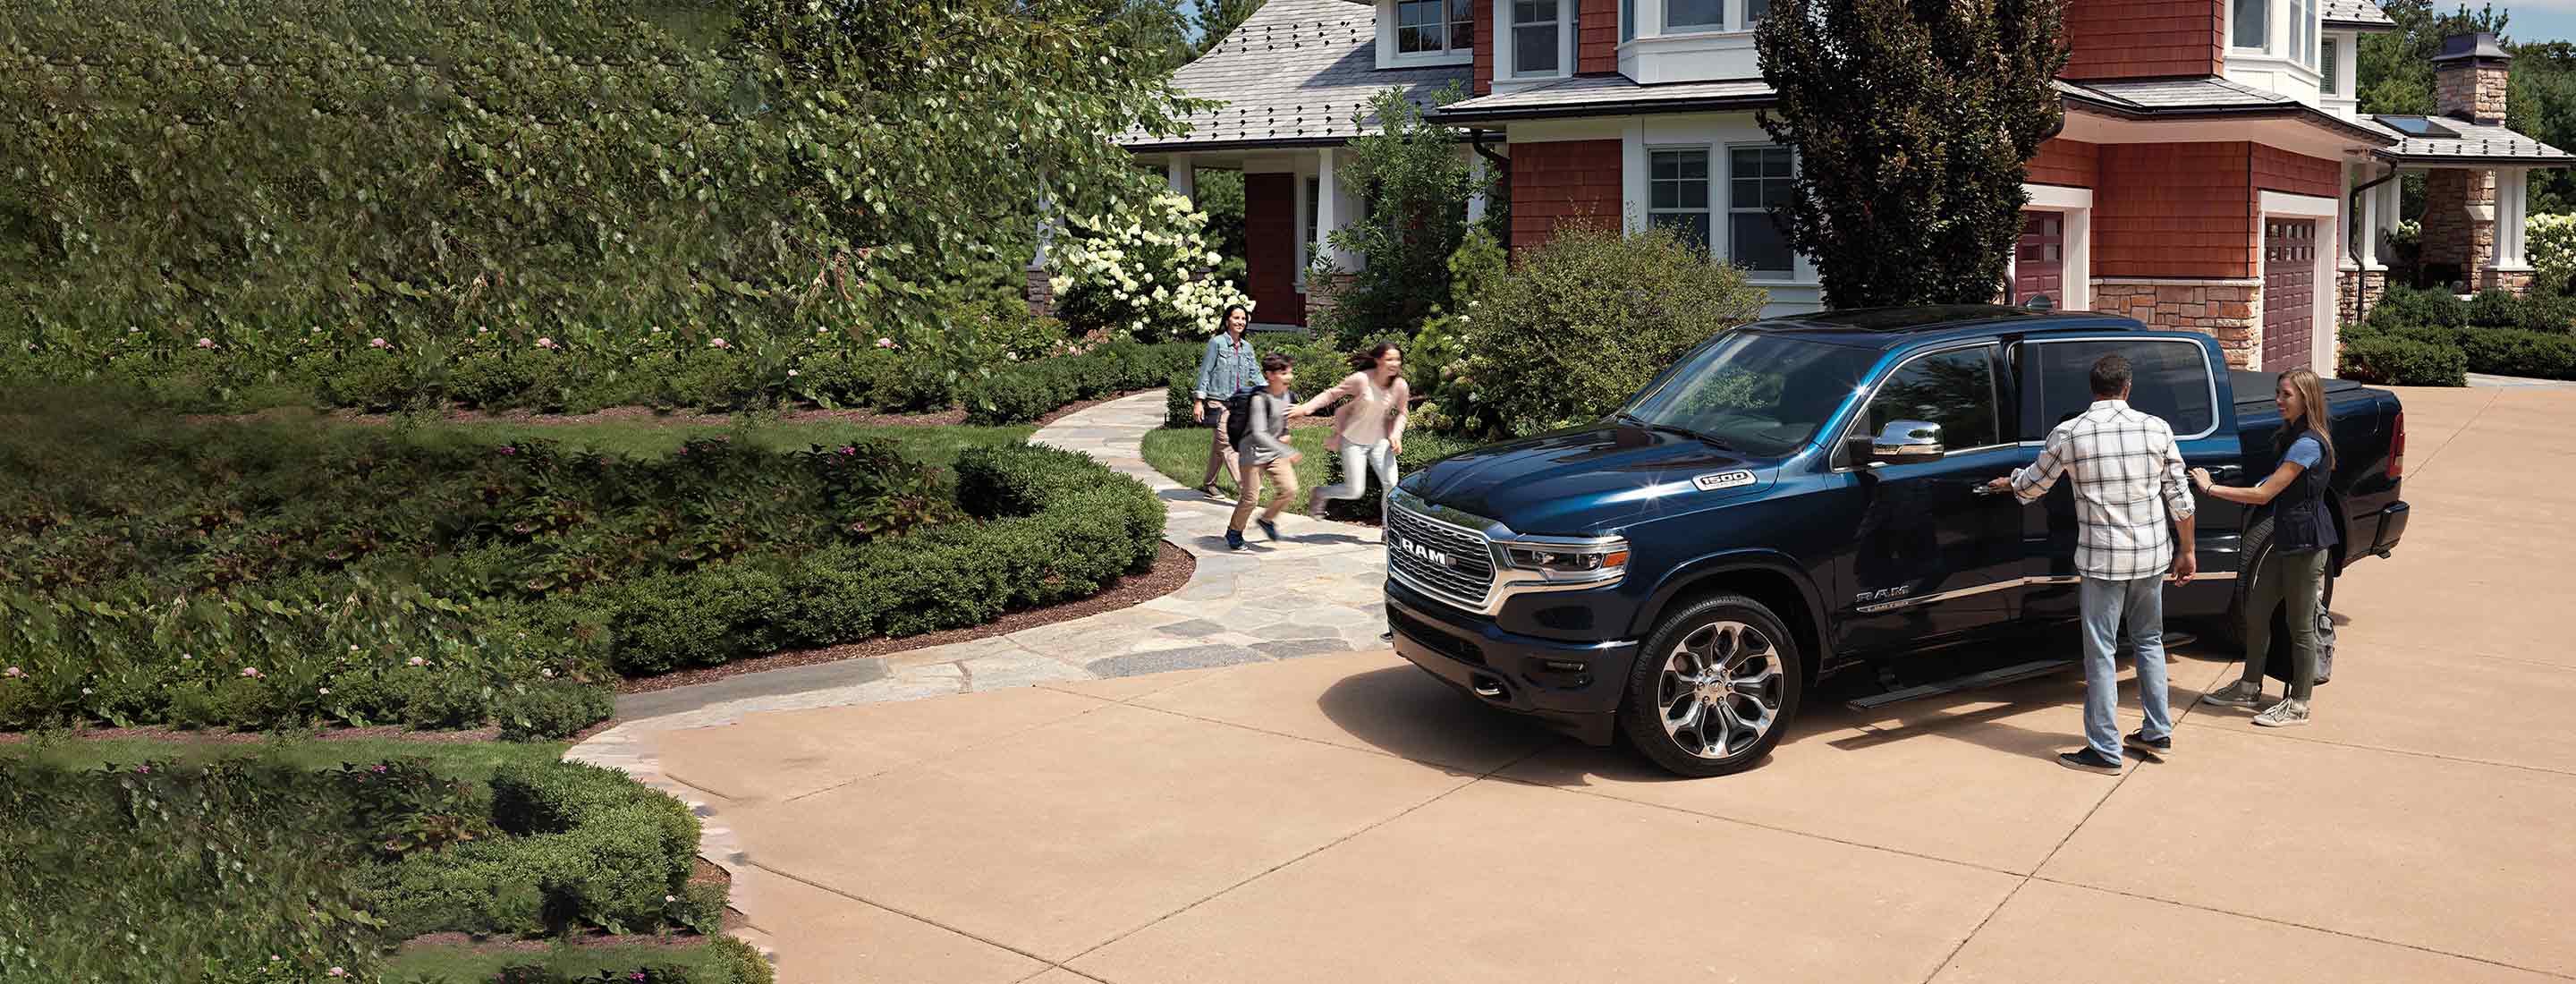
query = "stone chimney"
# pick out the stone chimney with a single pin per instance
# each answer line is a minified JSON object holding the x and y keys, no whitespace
{"x":2469,"y":78}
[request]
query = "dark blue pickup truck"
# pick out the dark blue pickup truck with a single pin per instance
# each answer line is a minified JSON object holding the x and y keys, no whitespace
{"x":1800,"y":496}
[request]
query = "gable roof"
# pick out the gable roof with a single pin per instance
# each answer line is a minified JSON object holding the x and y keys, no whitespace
{"x":2359,"y":15}
{"x":1297,"y":73}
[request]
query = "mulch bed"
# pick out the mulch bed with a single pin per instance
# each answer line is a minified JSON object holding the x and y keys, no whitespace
{"x":1172,"y":569}
{"x":951,"y":417}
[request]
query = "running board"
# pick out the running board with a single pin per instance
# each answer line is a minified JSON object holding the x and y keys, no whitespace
{"x":2009,"y":674}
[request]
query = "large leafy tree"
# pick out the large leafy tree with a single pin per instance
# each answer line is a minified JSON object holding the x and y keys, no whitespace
{"x":1218,"y":18}
{"x":938,"y":125}
{"x":1416,"y":185}
{"x":1911,"y":120}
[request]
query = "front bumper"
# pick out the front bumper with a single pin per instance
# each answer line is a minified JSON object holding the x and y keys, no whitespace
{"x":1571,"y":686}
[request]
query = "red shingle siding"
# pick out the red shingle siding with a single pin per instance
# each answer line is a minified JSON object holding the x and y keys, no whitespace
{"x":1563,"y":183}
{"x":1484,"y":70}
{"x":2072,"y":163}
{"x":2175,"y":210}
{"x":2130,"y":39}
{"x":2299,"y":174}
{"x":1596,"y":38}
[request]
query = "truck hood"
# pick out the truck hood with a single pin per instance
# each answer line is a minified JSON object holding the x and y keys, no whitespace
{"x":1589,"y":480}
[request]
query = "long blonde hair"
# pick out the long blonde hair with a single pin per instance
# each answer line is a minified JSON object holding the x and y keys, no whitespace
{"x":2312,"y":405}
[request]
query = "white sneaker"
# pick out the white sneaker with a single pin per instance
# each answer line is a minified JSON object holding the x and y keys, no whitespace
{"x":2286,"y":714}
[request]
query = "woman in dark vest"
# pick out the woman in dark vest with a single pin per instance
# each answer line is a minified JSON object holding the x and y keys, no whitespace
{"x":2302,"y":534}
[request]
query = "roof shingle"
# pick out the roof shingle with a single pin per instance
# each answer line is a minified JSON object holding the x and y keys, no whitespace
{"x":2361,"y":14}
{"x":2474,"y":144}
{"x":1295,"y":73}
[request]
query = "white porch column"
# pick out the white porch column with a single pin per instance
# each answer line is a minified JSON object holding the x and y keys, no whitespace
{"x":2369,"y":256}
{"x":1182,"y":175}
{"x":2513,"y":193}
{"x":1476,"y":177}
{"x":1334,"y":208}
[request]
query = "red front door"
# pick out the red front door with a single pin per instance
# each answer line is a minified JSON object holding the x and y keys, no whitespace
{"x":2289,"y":293}
{"x":2039,"y":259}
{"x":1270,"y":230}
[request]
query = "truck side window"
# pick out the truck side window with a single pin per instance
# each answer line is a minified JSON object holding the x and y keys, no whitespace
{"x":2168,"y":378}
{"x":1953,"y":389}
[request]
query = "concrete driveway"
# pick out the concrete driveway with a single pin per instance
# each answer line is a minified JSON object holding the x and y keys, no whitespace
{"x":1344,"y":818}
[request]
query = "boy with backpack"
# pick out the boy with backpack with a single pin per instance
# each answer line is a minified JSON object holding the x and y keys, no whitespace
{"x":1257,"y":428}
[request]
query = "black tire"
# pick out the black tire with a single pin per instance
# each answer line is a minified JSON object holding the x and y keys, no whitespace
{"x":1732,"y":633}
{"x":2258,"y":548}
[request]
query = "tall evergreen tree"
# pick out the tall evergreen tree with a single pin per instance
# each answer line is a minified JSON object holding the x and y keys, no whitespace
{"x":1911,"y":120}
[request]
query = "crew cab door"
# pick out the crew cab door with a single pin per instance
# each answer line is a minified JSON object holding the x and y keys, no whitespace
{"x":1933,"y":555}
{"x":2173,"y":376}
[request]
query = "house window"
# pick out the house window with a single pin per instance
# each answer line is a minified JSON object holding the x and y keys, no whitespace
{"x":1758,"y":180}
{"x":1535,"y":27}
{"x":1433,"y":27}
{"x":1754,"y":11}
{"x":2253,"y":24}
{"x":2328,"y":66}
{"x":1627,"y":21}
{"x":1677,"y":193}
{"x":1694,"y":15}
{"x":1314,"y":237}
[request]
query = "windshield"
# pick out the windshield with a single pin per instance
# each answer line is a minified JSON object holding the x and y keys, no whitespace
{"x":1759,"y":394}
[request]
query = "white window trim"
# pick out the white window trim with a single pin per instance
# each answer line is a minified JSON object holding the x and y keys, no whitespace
{"x":1389,"y":57}
{"x":1652,"y":24}
{"x":1797,"y":272}
{"x":1505,"y":72}
{"x":1714,"y":169}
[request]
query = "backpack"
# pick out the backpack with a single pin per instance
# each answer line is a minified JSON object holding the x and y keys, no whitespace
{"x":1238,"y":414}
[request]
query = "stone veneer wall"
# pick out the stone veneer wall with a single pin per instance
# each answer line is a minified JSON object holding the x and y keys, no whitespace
{"x":2356,"y":293}
{"x":1041,"y":292}
{"x":2474,"y":92}
{"x":2517,"y":282}
{"x":2223,"y":309}
{"x":1320,"y":295}
{"x":2460,"y":218}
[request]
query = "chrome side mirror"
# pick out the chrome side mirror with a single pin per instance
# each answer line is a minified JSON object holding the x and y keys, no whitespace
{"x":1907,"y":440}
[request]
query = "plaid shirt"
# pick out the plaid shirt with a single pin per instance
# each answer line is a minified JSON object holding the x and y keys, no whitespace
{"x":2129,"y":488}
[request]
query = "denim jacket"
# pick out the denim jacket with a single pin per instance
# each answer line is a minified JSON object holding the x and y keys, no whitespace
{"x":1226,"y":367}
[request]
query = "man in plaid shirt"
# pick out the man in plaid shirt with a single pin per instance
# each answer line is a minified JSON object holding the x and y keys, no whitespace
{"x":2130,"y":496}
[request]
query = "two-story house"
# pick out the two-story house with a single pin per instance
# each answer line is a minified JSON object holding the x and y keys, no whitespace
{"x":2213,"y":172}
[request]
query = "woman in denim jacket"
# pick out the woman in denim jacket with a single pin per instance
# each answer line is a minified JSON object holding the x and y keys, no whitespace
{"x":1228,"y":364}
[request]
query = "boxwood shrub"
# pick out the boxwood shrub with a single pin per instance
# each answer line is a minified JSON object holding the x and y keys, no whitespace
{"x":1023,"y":391}
{"x":2415,"y":336}
{"x":2401,"y":360}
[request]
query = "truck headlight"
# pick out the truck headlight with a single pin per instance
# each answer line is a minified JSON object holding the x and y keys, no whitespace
{"x":1571,"y":562}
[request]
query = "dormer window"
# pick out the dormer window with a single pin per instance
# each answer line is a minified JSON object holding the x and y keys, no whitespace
{"x":1435,"y":27}
{"x":2253,"y":24}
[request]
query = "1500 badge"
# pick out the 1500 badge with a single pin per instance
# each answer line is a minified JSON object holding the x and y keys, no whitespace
{"x":1714,"y":481}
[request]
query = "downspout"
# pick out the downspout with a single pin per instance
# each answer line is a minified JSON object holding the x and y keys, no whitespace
{"x":2352,"y":205}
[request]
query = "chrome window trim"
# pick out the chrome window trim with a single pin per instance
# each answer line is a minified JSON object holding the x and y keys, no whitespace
{"x":2195,"y":350}
{"x":1994,"y":392}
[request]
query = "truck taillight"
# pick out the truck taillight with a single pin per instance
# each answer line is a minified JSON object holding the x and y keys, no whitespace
{"x":2397,"y":450}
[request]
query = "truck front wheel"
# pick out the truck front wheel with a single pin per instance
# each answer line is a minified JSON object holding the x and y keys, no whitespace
{"x":1714,"y":688}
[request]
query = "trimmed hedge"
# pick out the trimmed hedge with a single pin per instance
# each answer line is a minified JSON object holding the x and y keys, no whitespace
{"x":254,"y":870}
{"x":586,"y":846}
{"x":2397,"y":360}
{"x":1024,"y":391}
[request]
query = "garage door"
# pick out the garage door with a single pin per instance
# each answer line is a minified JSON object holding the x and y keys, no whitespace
{"x":2039,"y":259}
{"x":2289,"y":293}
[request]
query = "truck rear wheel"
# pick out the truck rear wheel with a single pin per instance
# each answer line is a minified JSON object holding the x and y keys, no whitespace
{"x":1714,"y":689}
{"x":2240,"y":617}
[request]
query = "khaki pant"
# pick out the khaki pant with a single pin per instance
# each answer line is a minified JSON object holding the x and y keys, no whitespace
{"x":1220,"y":454}
{"x":1283,"y":490}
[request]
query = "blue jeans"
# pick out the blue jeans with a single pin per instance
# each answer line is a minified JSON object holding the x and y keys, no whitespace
{"x":2142,"y":602}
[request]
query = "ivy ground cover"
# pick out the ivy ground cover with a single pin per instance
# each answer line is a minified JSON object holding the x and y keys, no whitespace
{"x":279,"y":573}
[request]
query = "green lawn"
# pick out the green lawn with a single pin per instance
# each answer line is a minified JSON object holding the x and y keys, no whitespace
{"x":647,"y":438}
{"x":463,"y":964}
{"x":456,"y":760}
{"x":1180,"y":453}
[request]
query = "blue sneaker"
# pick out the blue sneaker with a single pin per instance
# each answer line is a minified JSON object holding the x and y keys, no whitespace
{"x":1269,"y":529}
{"x":1234,"y":539}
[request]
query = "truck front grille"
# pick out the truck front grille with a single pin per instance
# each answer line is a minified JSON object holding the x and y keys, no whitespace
{"x":1448,"y":562}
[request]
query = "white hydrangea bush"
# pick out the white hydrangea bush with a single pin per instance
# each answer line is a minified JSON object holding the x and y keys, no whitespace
{"x":1136,"y":271}
{"x":2550,"y":241}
